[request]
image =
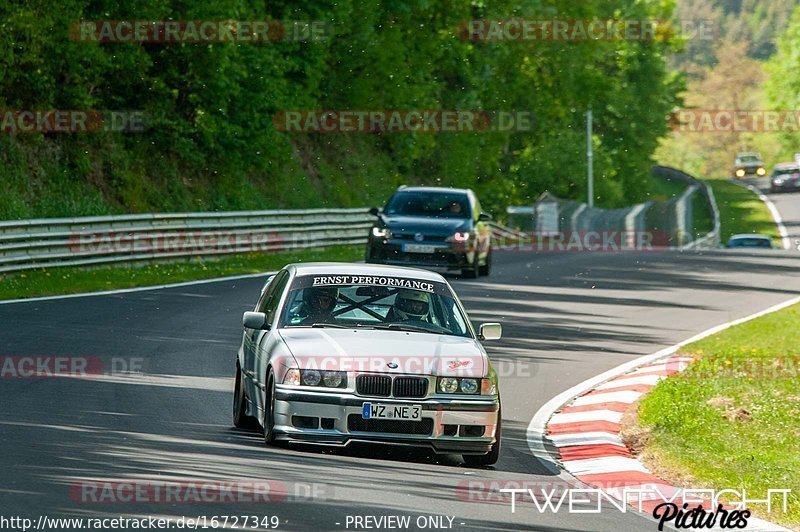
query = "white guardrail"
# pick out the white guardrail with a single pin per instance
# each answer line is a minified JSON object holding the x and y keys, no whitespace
{"x":29,"y":244}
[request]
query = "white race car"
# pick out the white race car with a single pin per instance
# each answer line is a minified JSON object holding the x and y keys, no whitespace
{"x":335,"y":353}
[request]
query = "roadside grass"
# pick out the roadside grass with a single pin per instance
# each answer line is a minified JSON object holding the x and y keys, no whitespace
{"x":732,"y":419}
{"x":741,"y":211}
{"x":50,"y":281}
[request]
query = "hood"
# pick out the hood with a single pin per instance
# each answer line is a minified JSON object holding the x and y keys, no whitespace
{"x":426,"y":225}
{"x":393,"y":352}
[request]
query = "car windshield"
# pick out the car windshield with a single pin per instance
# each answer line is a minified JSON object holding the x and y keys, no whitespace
{"x":748,"y":159}
{"x":434,"y":204}
{"x":749,"y":243}
{"x":786,"y":171}
{"x":376,"y":302}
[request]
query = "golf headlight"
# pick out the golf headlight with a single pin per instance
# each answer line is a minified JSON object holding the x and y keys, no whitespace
{"x":311,"y":377}
{"x":461,"y":237}
{"x":448,"y":385}
{"x":469,"y":385}
{"x":381,"y":232}
{"x":761,"y":171}
{"x":740,"y":172}
{"x":332,"y":379}
{"x":778,"y":180}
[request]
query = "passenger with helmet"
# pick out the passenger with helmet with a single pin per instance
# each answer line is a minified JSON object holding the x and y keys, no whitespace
{"x":410,"y":305}
{"x":318,"y":304}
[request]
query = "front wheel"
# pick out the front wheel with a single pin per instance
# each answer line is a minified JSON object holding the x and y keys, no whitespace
{"x":493,"y":455}
{"x":269,"y":410}
{"x":240,"y":418}
{"x":474,"y":272}
{"x":486,"y":269}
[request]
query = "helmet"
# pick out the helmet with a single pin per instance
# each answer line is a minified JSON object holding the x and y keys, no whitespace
{"x":321,"y":298}
{"x":411,"y":304}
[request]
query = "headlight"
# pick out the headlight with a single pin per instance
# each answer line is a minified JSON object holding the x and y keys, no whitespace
{"x":332,"y":379}
{"x":778,"y":180}
{"x":448,"y":385}
{"x":469,"y":385}
{"x":311,"y":377}
{"x":292,"y":377}
{"x":740,"y":172}
{"x":460,"y":237}
{"x":761,"y":171}
{"x":381,"y":232}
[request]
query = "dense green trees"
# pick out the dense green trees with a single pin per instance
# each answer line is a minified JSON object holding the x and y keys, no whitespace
{"x":211,"y":142}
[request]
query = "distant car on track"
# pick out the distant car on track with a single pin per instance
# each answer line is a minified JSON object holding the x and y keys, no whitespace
{"x":750,"y":241}
{"x":785,"y":177}
{"x":441,"y":229}
{"x":748,"y":164}
{"x":338,"y":353}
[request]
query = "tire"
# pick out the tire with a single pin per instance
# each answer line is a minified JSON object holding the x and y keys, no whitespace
{"x":240,"y":418}
{"x":486,"y":269}
{"x":269,"y":410}
{"x":493,"y":455}
{"x":472,"y":273}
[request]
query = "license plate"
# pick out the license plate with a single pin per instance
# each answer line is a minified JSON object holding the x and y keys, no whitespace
{"x":402,"y":412}
{"x":418,"y":248}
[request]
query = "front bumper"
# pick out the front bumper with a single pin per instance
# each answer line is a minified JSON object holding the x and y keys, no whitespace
{"x":785,"y":186}
{"x":339,"y":414}
{"x":444,"y":256}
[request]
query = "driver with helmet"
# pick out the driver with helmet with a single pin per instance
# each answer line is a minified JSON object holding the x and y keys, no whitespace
{"x":410,"y":305}
{"x":318,"y":304}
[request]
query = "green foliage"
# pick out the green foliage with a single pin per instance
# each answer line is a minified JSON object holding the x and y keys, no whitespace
{"x":732,"y":419}
{"x":211,"y":142}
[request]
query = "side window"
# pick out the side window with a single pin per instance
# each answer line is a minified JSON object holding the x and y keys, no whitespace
{"x":272,"y":297}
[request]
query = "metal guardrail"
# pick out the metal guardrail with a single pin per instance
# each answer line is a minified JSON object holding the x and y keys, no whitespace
{"x":97,"y":240}
{"x":672,"y":220}
{"x":713,"y":238}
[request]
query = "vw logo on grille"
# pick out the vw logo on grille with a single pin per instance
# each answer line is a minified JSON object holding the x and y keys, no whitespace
{"x":392,"y":365}
{"x":419,"y":237}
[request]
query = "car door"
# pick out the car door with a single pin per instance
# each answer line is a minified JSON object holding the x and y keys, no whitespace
{"x":253,"y":338}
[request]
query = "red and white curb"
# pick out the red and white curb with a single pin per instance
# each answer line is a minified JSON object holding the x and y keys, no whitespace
{"x":586,"y":433}
{"x":576,"y":435}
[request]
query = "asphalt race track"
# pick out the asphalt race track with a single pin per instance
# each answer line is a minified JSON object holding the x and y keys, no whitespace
{"x":567,"y":317}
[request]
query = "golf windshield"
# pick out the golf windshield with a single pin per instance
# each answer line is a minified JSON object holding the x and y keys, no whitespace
{"x":374,"y":302}
{"x":435,"y":204}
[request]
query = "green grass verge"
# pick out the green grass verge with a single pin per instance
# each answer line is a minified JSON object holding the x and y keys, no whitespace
{"x":741,"y":211}
{"x":50,"y":281}
{"x":732,"y":419}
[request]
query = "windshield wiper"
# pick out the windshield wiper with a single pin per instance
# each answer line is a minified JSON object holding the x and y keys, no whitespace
{"x":406,"y":328}
{"x":331,"y":325}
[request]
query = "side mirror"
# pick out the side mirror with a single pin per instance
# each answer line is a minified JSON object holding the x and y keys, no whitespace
{"x":374,"y":211}
{"x":490,"y":331}
{"x":254,"y":320}
{"x":485,"y":217}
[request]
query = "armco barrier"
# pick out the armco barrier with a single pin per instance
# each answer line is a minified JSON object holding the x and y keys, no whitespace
{"x":28,"y":244}
{"x":673,"y":218}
